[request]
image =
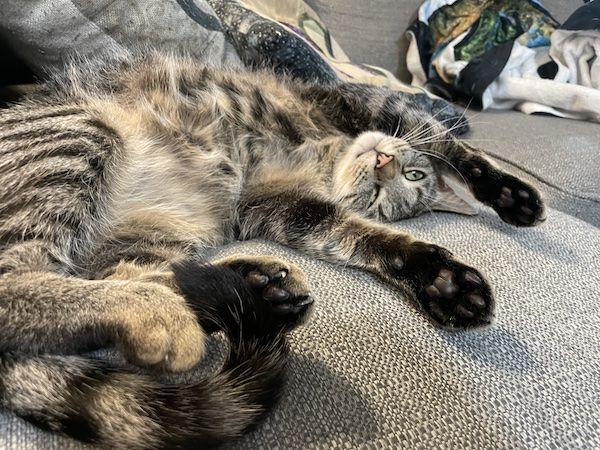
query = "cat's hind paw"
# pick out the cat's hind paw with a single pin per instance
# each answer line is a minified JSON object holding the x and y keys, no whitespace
{"x":281,"y":284}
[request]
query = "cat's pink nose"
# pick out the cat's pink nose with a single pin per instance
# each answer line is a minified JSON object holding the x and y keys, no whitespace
{"x":383,"y":159}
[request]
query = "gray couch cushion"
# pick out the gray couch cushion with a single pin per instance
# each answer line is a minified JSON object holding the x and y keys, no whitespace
{"x":369,"y":371}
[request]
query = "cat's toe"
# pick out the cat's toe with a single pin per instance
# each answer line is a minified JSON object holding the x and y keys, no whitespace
{"x":280,"y":284}
{"x":458,"y":297}
{"x":256,"y":279}
{"x":515,"y":201}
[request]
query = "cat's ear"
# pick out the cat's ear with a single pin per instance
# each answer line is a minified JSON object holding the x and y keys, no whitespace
{"x":451,"y":196}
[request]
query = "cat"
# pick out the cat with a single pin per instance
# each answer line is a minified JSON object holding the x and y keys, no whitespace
{"x":115,"y":178}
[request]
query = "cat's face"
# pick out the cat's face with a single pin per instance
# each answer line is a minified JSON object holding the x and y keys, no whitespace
{"x":382,"y":177}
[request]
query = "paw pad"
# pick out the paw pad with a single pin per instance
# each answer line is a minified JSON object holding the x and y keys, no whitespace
{"x":476,"y":172}
{"x":458,"y":297}
{"x":515,"y":202}
{"x":279,"y":284}
{"x":505,"y":200}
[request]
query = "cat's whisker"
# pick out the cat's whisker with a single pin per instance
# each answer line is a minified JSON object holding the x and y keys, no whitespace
{"x":430,"y":139}
{"x":397,"y":127}
{"x":418,"y":127}
{"x":441,"y":133}
{"x":441,"y":158}
{"x":456,"y":124}
{"x":428,"y":197}
{"x":424,"y":131}
{"x":426,"y":206}
{"x":438,"y":141}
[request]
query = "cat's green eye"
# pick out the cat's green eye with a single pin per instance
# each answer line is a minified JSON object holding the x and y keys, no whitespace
{"x":414,"y":175}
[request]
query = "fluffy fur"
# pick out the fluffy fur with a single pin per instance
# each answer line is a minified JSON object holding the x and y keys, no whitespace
{"x":114,"y":179}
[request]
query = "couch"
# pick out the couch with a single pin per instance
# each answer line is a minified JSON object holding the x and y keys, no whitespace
{"x":369,"y":371}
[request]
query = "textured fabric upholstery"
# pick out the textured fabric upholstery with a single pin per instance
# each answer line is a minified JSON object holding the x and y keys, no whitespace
{"x":369,"y":371}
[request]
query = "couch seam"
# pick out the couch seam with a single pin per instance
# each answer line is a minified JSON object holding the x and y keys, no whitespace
{"x":587,"y":197}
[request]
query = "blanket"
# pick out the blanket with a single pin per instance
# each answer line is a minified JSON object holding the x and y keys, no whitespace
{"x":285,"y":35}
{"x":506,"y":54}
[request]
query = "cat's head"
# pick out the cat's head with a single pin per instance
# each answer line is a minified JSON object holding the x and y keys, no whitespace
{"x":384,"y":178}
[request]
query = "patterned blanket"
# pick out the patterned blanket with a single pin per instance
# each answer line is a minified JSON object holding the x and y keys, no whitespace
{"x":509,"y":54}
{"x":286,"y":35}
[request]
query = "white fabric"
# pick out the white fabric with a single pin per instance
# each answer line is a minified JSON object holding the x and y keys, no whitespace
{"x":431,"y":6}
{"x":577,"y":54}
{"x":413,"y":61}
{"x":445,"y":63}
{"x":574,"y":93}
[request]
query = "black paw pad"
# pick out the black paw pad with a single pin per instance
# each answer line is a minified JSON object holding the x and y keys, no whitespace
{"x":458,"y":297}
{"x":515,"y":201}
{"x":285,"y":295}
{"x":476,"y":172}
{"x":257,"y":279}
{"x":275,"y":294}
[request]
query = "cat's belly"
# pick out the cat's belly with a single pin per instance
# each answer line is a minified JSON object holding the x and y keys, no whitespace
{"x":188,"y":217}
{"x":189,"y":202}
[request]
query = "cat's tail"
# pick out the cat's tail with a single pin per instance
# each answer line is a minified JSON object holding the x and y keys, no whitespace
{"x":116,"y":408}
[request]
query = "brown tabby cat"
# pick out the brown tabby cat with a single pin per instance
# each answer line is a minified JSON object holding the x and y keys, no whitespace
{"x":113,"y":181}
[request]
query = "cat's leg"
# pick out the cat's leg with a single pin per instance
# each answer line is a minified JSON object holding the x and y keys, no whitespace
{"x":44,"y":312}
{"x":279,"y":283}
{"x":453,"y":294}
{"x":355,"y":108}
{"x":149,"y":248}
{"x":115,"y":407}
{"x":515,"y":201}
{"x":151,"y":312}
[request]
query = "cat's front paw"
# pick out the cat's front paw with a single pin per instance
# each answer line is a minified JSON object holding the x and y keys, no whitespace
{"x":452,"y":293}
{"x":458,"y":297}
{"x":515,"y":201}
{"x":281,"y":284}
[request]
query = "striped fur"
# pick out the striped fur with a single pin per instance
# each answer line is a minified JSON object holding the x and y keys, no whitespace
{"x":116,"y":176}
